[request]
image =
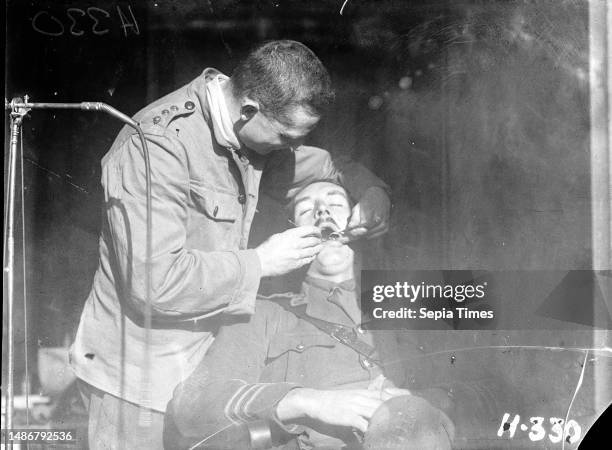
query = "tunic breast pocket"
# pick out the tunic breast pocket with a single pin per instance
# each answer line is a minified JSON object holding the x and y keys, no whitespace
{"x":216,"y":219}
{"x":301,"y":358}
{"x":216,"y":205}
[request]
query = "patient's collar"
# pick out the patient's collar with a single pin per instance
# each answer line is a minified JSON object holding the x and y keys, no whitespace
{"x":319,"y":294}
{"x":322,"y":283}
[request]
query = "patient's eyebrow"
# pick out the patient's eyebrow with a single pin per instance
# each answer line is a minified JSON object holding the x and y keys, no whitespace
{"x":303,"y":199}
{"x":337,"y":192}
{"x":328,"y":194}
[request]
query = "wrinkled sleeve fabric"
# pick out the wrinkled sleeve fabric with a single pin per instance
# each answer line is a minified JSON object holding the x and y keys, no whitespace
{"x":223,"y":392}
{"x":288,"y":172}
{"x":187,"y":283}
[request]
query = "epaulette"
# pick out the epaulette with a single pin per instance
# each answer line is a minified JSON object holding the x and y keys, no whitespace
{"x":157,"y":119}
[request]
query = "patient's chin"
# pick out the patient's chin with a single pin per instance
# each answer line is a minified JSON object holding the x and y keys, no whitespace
{"x":334,"y":258}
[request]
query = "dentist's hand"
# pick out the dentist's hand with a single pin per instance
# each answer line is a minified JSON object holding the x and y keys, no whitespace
{"x":284,"y":252}
{"x":370,"y":217}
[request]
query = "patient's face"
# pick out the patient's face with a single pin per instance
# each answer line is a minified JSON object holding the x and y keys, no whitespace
{"x":322,"y":204}
{"x":326,"y":205}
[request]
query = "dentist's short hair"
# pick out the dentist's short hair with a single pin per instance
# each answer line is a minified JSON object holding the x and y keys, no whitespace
{"x":282,"y":75}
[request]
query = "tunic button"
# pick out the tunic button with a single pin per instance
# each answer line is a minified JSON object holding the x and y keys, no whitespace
{"x":156,"y":119}
{"x":174,"y":108}
{"x":300,"y":347}
{"x":366,"y":363}
{"x":165,"y":112}
{"x":189,"y":105}
{"x":242,"y":199}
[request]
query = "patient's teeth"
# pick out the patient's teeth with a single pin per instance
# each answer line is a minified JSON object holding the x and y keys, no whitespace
{"x":326,"y":233}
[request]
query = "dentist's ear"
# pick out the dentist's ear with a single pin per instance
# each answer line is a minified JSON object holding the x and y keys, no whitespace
{"x":248,"y":109}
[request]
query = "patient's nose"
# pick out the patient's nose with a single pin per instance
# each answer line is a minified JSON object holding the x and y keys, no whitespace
{"x":321,"y":210}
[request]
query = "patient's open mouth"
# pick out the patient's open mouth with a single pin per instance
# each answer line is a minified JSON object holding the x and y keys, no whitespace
{"x":326,"y":232}
{"x":328,"y":228}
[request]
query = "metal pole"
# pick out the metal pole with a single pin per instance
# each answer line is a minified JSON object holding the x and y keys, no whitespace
{"x":19,"y":109}
{"x":9,"y":266}
{"x":16,"y":104}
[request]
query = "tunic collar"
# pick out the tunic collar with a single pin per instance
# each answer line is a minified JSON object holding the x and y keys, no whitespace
{"x":332,"y":301}
{"x":215,"y":109}
{"x":198,"y":89}
{"x":221,"y":128}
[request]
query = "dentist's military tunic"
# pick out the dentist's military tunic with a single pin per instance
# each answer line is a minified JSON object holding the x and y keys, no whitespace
{"x":204,"y":199}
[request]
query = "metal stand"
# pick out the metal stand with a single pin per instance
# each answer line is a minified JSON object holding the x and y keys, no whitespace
{"x":19,"y":108}
{"x":17,"y":115}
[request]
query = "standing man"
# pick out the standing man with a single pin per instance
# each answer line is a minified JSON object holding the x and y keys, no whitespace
{"x":210,"y":142}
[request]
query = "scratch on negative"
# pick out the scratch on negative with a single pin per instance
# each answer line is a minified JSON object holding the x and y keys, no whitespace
{"x":578,"y":385}
{"x":505,"y":347}
{"x":343,"y":5}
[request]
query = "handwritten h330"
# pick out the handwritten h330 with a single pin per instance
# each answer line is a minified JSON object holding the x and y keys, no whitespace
{"x":80,"y":19}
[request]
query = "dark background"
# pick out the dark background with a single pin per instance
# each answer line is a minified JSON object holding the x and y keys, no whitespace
{"x":475,"y":112}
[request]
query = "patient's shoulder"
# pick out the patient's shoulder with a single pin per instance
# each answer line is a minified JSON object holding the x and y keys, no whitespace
{"x":268,"y":315}
{"x":271,"y":308}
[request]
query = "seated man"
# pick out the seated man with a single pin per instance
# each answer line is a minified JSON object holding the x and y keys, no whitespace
{"x":281,"y":379}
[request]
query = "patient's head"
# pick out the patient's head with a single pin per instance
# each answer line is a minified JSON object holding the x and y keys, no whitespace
{"x":326,"y":205}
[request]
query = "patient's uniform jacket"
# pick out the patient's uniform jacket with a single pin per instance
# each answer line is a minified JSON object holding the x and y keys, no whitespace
{"x":253,"y":364}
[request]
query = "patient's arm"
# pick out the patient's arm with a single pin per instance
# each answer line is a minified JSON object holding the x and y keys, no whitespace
{"x":344,"y":407}
{"x":223,"y":392}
